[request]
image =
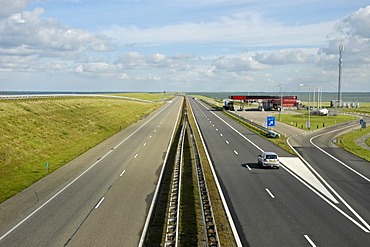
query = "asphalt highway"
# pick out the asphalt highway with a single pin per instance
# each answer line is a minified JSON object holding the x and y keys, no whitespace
{"x":101,"y":198}
{"x":292,"y":206}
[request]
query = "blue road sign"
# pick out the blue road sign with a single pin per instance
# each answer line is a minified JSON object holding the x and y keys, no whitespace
{"x":271,"y":121}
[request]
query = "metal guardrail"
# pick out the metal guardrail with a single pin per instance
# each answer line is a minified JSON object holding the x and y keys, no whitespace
{"x":269,"y":132}
{"x":173,"y":213}
{"x":209,"y":224}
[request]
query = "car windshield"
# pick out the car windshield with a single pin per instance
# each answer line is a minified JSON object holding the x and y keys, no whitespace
{"x":271,"y":156}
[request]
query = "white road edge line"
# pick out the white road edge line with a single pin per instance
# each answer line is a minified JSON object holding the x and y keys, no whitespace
{"x":350,"y":168}
{"x":310,"y":241}
{"x":269,"y":192}
{"x":123,"y":172}
{"x":100,"y":202}
{"x":74,"y":180}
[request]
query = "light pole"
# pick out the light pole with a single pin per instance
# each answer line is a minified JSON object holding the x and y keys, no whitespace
{"x":281,"y":102}
{"x":308,"y":124}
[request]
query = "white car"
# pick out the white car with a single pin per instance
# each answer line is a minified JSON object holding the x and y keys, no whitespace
{"x":269,"y":159}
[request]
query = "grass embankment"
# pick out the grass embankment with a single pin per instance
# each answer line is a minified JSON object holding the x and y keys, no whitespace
{"x":55,"y":131}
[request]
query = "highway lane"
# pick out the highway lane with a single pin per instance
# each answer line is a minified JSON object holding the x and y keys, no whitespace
{"x":270,"y":207}
{"x":347,"y":174}
{"x":103,"y":203}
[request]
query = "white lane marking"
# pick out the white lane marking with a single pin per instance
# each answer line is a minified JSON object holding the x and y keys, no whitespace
{"x":155,"y":131}
{"x":150,"y":137}
{"x":144,"y":144}
{"x":336,"y":159}
{"x":221,"y":135}
{"x":213,"y":125}
{"x":216,"y":129}
{"x":227,"y":142}
{"x":327,"y":200}
{"x":296,"y":165}
{"x":235,"y":152}
{"x":135,"y":156}
{"x":123,"y":172}
{"x":336,"y":193}
{"x":157,"y":126}
{"x":269,"y":192}
{"x":100,"y":202}
{"x":248,"y":167}
{"x":310,"y":241}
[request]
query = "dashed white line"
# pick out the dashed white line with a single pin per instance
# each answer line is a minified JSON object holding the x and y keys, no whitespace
{"x":268,"y":191}
{"x":150,"y":137}
{"x":227,"y":142}
{"x":216,"y":129}
{"x":144,"y":144}
{"x":221,"y":135}
{"x":100,"y":202}
{"x":123,"y":172}
{"x":310,"y":241}
{"x":248,"y":167}
{"x":235,"y":152}
{"x":135,"y":156}
{"x":155,"y":131}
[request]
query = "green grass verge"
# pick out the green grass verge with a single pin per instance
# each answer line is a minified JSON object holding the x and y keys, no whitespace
{"x":299,"y":120}
{"x":347,"y":142}
{"x":56,"y":131}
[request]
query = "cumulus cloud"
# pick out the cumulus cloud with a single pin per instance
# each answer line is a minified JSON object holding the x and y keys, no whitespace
{"x":282,"y":57}
{"x":238,"y":63}
{"x":10,"y":7}
{"x":354,"y":33}
{"x":26,"y":34}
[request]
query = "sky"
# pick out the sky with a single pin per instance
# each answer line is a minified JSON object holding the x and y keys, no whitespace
{"x":184,"y":45}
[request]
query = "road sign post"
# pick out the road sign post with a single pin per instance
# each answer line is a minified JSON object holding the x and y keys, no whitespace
{"x":271,"y":121}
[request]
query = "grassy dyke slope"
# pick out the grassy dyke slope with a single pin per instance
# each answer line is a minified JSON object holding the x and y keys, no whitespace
{"x":56,"y":131}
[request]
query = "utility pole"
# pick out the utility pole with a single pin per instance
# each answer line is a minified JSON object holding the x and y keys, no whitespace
{"x":339,"y":97}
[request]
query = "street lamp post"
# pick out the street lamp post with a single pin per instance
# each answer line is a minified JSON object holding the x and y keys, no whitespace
{"x":281,"y":101}
{"x":308,"y":124}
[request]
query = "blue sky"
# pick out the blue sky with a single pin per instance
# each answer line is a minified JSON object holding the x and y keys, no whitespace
{"x":194,"y":45}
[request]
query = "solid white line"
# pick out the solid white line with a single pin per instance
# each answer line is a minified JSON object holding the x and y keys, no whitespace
{"x":249,"y":167}
{"x":235,"y":152}
{"x":100,"y":202}
{"x":123,"y":172}
{"x":268,"y":191}
{"x":135,"y":156}
{"x":336,"y":159}
{"x":310,"y":241}
{"x":74,"y":180}
{"x":335,"y":193}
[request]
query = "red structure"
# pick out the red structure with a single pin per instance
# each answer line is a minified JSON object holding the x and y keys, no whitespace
{"x":269,"y":102}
